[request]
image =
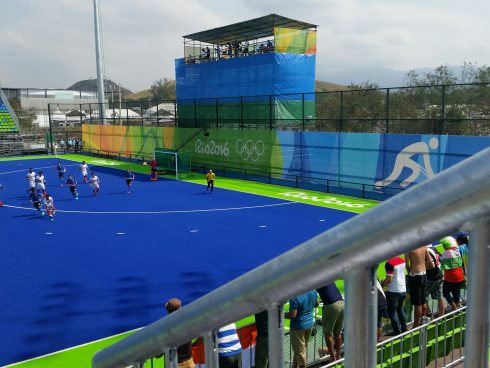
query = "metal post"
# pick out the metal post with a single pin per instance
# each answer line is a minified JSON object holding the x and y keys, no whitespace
{"x":99,"y":62}
{"x":170,"y":357}
{"x":158,"y":117}
{"x":360,"y":309}
{"x":387,"y":111}
{"x":276,"y":336}
{"x":423,"y":342}
{"x":443,"y":109}
{"x":141,"y":113}
{"x":270,"y":112}
{"x":195,"y":113}
{"x":476,"y":334}
{"x":175,"y":114}
{"x":303,"y":109}
{"x":241,"y":112}
{"x":50,"y":143}
{"x":211,"y":349}
{"x":341,"y":125}
{"x":217,"y":113}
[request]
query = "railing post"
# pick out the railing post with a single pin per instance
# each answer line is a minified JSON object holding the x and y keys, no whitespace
{"x":211,"y":349}
{"x":170,"y":357}
{"x":387,"y":111}
{"x":476,"y":334}
{"x":276,"y":336}
{"x":423,"y":342}
{"x":360,"y":315}
{"x":341,"y":125}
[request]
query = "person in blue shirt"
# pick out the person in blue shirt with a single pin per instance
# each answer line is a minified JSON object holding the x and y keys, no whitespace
{"x":462,"y":241}
{"x":72,"y":184}
{"x":302,"y":322}
{"x":129,"y":175}
{"x":35,"y":199}
{"x":61,"y":172}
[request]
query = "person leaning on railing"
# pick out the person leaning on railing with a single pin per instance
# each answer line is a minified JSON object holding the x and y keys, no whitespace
{"x":452,"y":266}
{"x":302,"y":322}
{"x":332,"y":320}
{"x":396,"y":293}
{"x":184,"y":351}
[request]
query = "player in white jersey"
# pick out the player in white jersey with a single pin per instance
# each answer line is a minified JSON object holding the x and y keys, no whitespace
{"x":49,"y":204}
{"x":84,"y":170}
{"x":95,"y":184}
{"x":31,"y":178}
{"x":41,"y":183}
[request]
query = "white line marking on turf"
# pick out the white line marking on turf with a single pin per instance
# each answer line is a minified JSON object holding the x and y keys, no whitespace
{"x":120,"y":233}
{"x":160,"y":212}
{"x":322,"y":220}
{"x":262,"y":226}
{"x":49,"y":233}
{"x":35,"y":168}
{"x":194,"y":231}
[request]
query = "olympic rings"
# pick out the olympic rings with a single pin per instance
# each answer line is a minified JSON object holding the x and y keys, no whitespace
{"x":250,"y":150}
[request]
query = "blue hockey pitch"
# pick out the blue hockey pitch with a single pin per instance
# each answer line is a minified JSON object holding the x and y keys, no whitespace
{"x":107,"y":264}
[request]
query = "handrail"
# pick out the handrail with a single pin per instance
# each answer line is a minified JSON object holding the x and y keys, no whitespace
{"x":420,"y":215}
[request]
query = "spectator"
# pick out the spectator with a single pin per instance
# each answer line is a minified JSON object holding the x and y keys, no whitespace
{"x":229,"y":347}
{"x":396,"y":293}
{"x":332,"y":320}
{"x":261,"y":48}
{"x":184,"y":351}
{"x":417,"y":282}
{"x":382,"y":310}
{"x":218,"y":52}
{"x":230,"y":50}
{"x":245,"y":48}
{"x":301,"y":316}
{"x":463,"y":242}
{"x":262,"y":343}
{"x":434,"y":279}
{"x":208,"y":53}
{"x":270,"y":46}
{"x":452,"y":266}
{"x":236,"y":47}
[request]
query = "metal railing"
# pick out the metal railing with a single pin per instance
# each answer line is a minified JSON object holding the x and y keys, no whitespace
{"x":456,"y":198}
{"x":439,"y":342}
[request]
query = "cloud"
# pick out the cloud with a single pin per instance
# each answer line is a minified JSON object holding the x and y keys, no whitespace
{"x":51,"y":44}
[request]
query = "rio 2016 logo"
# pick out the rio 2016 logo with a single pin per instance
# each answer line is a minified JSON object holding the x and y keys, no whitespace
{"x":212,"y":148}
{"x":250,"y":150}
{"x":327,"y":200}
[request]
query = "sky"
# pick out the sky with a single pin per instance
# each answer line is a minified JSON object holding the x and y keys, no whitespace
{"x":50,"y":43}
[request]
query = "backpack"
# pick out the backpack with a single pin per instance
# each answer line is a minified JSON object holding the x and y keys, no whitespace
{"x":436,"y":272}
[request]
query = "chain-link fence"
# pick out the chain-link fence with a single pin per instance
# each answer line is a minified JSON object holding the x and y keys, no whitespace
{"x":460,"y":109}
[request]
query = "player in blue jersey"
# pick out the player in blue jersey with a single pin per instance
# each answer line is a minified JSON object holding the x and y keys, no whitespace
{"x":129,"y":175}
{"x":35,"y":199}
{"x":61,"y":172}
{"x":72,"y":184}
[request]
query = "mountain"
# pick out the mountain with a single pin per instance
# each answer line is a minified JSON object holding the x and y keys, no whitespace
{"x":91,"y":85}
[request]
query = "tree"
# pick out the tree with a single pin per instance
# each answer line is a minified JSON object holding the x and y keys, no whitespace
{"x":163,"y":89}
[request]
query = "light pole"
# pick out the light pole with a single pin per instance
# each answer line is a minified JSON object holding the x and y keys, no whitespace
{"x":100,"y":70}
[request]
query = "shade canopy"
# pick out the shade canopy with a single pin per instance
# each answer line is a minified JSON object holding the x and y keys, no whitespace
{"x":248,"y":30}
